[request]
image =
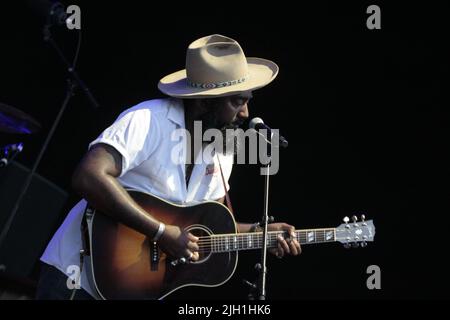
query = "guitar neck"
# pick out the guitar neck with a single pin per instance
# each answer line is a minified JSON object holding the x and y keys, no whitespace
{"x":254,"y":240}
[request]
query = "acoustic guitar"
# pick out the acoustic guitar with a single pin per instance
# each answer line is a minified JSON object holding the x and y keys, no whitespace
{"x":125,"y":264}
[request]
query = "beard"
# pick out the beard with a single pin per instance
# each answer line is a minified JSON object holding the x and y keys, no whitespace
{"x":231,"y":142}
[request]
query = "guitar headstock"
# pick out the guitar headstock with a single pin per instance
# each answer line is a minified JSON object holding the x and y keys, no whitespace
{"x":357,"y":233}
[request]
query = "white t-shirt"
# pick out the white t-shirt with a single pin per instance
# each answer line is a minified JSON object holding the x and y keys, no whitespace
{"x":152,"y":162}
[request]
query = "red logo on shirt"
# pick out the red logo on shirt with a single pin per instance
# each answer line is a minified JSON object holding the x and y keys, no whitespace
{"x":211,"y":169}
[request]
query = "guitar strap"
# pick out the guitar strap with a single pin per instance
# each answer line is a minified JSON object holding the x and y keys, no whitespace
{"x":88,"y":213}
{"x":85,"y":250}
{"x":227,"y":196}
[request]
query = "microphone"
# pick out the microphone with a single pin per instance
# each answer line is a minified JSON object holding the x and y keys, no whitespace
{"x":9,"y":153}
{"x":258,"y":123}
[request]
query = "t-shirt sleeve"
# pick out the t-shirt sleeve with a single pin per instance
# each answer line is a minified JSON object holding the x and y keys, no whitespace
{"x":135,"y":135}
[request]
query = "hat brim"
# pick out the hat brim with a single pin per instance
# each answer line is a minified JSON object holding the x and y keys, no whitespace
{"x":261,"y":73}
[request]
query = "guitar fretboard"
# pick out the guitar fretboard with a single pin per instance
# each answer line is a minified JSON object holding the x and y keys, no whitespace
{"x":254,"y":240}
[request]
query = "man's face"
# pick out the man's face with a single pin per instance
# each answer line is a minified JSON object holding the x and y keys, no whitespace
{"x":227,"y":113}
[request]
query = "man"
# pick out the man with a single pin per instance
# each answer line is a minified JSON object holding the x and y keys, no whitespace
{"x":137,"y":152}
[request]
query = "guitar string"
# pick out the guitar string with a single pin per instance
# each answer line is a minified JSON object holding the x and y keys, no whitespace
{"x":243,"y":243}
{"x":219,"y":249}
{"x":258,"y":239}
{"x":270,"y":232}
{"x":248,"y":241}
{"x":251,"y":234}
{"x":245,"y":236}
{"x":219,"y":243}
{"x":254,"y":243}
{"x":222,"y":247}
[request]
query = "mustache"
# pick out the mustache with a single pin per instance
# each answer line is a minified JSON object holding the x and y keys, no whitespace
{"x":233,"y":125}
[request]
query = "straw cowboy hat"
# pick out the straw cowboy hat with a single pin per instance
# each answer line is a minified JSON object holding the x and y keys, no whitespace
{"x":215,"y":67}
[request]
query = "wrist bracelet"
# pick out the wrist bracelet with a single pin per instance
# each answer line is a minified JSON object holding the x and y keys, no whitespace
{"x":160,"y":231}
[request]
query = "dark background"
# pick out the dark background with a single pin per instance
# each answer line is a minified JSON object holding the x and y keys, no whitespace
{"x":365,"y":112}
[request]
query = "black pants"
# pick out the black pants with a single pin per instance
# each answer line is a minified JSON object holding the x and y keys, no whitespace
{"x":52,"y":285}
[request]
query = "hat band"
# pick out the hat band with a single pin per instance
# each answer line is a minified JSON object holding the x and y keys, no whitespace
{"x":217,"y":84}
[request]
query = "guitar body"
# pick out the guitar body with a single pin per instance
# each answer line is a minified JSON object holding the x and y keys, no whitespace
{"x":121,"y":259}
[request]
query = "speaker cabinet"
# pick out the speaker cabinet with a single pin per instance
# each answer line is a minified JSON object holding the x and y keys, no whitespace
{"x":35,"y":221}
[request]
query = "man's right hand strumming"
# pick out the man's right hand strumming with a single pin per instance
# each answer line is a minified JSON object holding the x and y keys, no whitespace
{"x":179,"y":244}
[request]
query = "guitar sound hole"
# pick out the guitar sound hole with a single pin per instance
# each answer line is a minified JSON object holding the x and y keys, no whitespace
{"x":204,"y":242}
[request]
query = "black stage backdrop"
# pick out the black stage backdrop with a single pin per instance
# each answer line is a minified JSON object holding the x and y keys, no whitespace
{"x":365,"y":112}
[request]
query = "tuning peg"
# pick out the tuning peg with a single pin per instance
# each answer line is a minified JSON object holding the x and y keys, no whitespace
{"x":355,"y":218}
{"x":346,"y":220}
{"x":363,"y":219}
{"x":363,"y":244}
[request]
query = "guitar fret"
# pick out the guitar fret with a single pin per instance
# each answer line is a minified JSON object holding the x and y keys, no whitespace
{"x":268,"y":240}
{"x":310,"y":236}
{"x":319,"y":235}
{"x":329,"y":235}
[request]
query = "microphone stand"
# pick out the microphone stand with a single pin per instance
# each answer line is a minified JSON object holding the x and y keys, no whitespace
{"x":262,"y":267}
{"x":72,"y":82}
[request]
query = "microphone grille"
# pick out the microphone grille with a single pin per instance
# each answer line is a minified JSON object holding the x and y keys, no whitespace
{"x":254,"y":122}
